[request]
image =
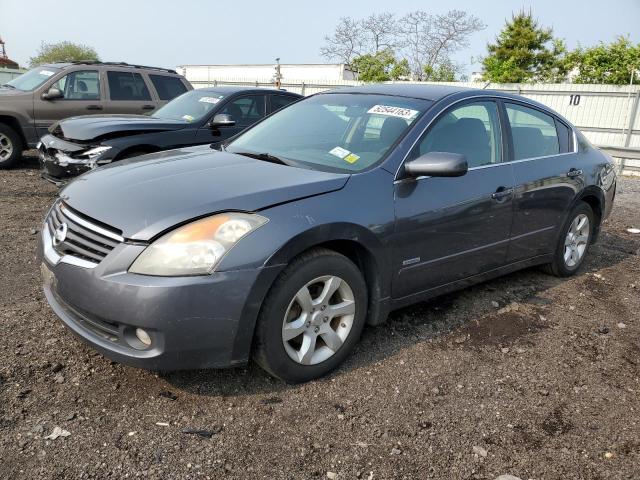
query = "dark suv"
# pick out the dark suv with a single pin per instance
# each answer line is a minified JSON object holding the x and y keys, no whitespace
{"x":32,"y":102}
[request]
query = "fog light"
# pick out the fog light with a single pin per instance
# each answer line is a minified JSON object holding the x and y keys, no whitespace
{"x":143,"y":336}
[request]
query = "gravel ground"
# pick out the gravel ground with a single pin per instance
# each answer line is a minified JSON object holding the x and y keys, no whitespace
{"x":545,"y":385}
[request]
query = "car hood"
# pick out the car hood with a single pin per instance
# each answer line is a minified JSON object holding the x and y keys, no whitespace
{"x":88,"y":128}
{"x":11,"y":92}
{"x":145,"y":196}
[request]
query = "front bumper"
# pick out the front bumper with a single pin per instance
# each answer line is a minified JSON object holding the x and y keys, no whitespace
{"x":56,"y":163}
{"x":194,"y":322}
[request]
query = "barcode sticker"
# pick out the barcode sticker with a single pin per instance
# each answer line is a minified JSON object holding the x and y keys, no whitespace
{"x":405,"y":113}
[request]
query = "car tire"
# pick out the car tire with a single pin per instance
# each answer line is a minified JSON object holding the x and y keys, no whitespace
{"x":331,"y":280}
{"x":10,"y":146}
{"x":573,"y":242}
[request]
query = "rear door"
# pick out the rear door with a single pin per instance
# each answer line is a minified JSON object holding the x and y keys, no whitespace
{"x":128,"y":93}
{"x":83,"y":95}
{"x":448,"y":229}
{"x":245,"y":111}
{"x":547,"y":177}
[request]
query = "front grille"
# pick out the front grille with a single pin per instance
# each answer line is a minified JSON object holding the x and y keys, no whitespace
{"x":85,"y":238}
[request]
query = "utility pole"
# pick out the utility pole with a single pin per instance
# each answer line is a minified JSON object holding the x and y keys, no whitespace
{"x":277,"y":76}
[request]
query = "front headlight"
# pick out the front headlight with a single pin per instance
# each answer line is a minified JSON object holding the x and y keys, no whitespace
{"x":195,"y":248}
{"x":94,"y":152}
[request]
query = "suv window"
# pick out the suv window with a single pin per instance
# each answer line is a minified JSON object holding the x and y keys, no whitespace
{"x":246,"y":110}
{"x":280,"y":101}
{"x":127,"y":86}
{"x":472,"y":130}
{"x":533,"y":132}
{"x":167,"y":87}
{"x":80,"y":85}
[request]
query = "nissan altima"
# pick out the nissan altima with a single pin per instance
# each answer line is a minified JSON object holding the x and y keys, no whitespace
{"x":283,"y":243}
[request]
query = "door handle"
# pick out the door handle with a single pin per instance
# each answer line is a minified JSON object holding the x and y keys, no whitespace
{"x":502,"y":193}
{"x":574,"y":172}
{"x":94,"y":107}
{"x":148,"y":107}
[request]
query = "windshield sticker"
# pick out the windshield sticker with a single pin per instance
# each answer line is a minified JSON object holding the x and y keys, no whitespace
{"x":188,"y":118}
{"x":46,"y":73}
{"x":405,"y":113}
{"x":213,"y":100}
{"x":351,"y":158}
{"x":339,"y":152}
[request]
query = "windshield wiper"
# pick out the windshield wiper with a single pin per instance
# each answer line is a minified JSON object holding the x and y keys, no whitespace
{"x":267,"y":157}
{"x":8,"y":86}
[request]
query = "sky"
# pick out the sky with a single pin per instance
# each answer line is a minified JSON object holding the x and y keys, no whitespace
{"x":169,"y":33}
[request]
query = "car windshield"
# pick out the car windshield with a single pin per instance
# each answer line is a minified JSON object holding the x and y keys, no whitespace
{"x":333,"y":132}
{"x":32,"y":79}
{"x":189,"y":107}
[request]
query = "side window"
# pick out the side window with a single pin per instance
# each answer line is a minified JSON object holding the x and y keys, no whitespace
{"x":564,"y":137}
{"x":167,"y":87}
{"x":246,"y":110}
{"x":472,"y":130}
{"x":80,"y":85}
{"x":127,"y":86}
{"x":533,"y":133}
{"x":280,"y":101}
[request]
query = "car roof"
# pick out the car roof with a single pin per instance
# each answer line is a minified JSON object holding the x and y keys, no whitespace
{"x":413,"y":90}
{"x":95,"y":63}
{"x":230,"y":90}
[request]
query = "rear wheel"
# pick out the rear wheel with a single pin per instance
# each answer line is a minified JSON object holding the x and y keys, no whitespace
{"x":574,"y":241}
{"x":312,"y":317}
{"x":10,"y":146}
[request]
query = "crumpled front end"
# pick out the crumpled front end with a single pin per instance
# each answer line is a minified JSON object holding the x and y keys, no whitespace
{"x":61,"y":160}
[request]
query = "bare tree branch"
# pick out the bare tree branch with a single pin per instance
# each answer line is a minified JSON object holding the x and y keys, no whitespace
{"x":382,"y":32}
{"x":430,"y":40}
{"x":346,"y":43}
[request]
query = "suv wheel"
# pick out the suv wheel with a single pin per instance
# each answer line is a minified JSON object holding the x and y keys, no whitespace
{"x":312,"y":317}
{"x":10,"y":146}
{"x":574,"y":241}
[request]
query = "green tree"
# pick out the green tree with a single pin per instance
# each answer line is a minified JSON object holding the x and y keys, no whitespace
{"x":63,"y":52}
{"x":612,"y":63}
{"x":380,"y":67}
{"x":445,"y":72}
{"x":525,"y":52}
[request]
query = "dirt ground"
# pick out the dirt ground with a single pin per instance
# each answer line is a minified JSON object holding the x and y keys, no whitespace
{"x":545,"y":385}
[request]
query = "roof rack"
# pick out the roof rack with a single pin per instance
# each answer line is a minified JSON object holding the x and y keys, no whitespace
{"x":122,"y":64}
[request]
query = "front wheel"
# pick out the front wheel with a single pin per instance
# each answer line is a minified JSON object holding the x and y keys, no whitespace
{"x":10,"y":146}
{"x":312,"y":317}
{"x":574,"y":241}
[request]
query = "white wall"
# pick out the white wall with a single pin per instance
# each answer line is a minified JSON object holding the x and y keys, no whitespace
{"x":265,"y":72}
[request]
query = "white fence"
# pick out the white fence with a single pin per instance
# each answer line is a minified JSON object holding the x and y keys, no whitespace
{"x":609,"y":115}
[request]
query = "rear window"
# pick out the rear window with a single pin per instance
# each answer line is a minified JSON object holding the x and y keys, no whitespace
{"x":167,"y":87}
{"x":127,"y":86}
{"x":533,"y":133}
{"x":281,"y":101}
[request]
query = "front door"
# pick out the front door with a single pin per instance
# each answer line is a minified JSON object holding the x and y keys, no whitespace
{"x":448,"y":229}
{"x":244,"y":110}
{"x":81,"y":90}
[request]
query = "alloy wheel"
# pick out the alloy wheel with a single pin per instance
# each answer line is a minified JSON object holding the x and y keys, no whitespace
{"x":318,"y":320}
{"x":576,"y":241}
{"x":6,"y":147}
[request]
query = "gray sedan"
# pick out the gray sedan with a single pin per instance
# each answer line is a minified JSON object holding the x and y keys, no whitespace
{"x":321,"y":218}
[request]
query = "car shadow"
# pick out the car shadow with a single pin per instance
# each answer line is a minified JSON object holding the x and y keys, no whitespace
{"x":29,"y":161}
{"x":468,"y":310}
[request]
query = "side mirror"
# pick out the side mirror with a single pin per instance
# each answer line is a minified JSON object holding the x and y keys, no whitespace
{"x":52,"y":94}
{"x":437,"y":164}
{"x":222,"y":120}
